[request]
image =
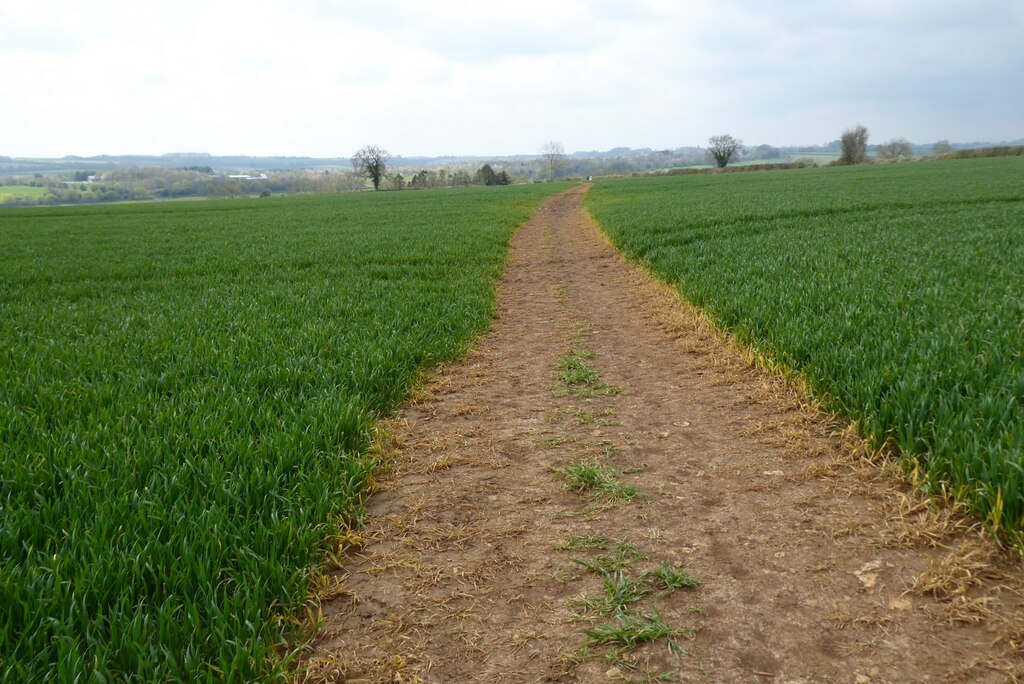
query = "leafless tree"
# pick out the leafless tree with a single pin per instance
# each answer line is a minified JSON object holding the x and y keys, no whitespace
{"x":372,"y":162}
{"x":554,"y":154}
{"x":895,"y":148}
{"x":722,"y":148}
{"x":942,"y":147}
{"x":854,"y":145}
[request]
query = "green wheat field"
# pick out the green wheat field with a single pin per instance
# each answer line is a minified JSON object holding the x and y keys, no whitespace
{"x":186,"y":397}
{"x":896,"y":290}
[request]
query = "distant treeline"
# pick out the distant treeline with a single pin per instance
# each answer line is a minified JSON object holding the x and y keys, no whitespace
{"x":975,"y":153}
{"x":1000,"y":151}
{"x":91,"y":185}
{"x":120,"y":185}
{"x":442,"y":178}
{"x":619,"y":160}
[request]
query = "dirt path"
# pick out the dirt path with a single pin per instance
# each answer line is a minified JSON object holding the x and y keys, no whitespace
{"x":480,"y":565}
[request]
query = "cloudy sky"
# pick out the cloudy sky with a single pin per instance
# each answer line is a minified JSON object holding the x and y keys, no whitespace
{"x":323,"y":77}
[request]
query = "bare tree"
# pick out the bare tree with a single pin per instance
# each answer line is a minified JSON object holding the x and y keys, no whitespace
{"x":854,"y":145}
{"x":554,"y":154}
{"x":722,"y":148}
{"x":371,"y":162}
{"x":895,"y":148}
{"x":942,"y":147}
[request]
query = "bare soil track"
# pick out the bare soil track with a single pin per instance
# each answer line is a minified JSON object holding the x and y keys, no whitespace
{"x":814,"y":564}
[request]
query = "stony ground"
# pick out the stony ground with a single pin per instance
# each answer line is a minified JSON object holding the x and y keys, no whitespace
{"x":607,"y":490}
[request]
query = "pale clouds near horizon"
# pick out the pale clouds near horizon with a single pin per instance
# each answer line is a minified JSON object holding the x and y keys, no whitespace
{"x":321,"y":78}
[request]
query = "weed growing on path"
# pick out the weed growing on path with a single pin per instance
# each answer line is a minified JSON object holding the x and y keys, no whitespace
{"x":577,"y":377}
{"x":623,"y":555}
{"x":580,"y":330}
{"x":573,"y":368}
{"x":631,"y":629}
{"x":554,"y":442}
{"x":620,"y":591}
{"x":669,"y":578}
{"x":598,"y":479}
{"x":579,"y":542}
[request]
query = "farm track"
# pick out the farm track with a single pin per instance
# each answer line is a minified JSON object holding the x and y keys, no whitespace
{"x":814,"y":565}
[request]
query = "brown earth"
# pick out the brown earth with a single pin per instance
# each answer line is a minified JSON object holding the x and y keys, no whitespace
{"x":815,"y":565}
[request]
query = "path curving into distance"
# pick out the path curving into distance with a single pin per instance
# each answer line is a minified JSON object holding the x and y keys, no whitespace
{"x":478,"y":564}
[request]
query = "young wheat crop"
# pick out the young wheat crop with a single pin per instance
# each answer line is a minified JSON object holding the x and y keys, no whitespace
{"x":896,"y":290}
{"x":186,"y":392}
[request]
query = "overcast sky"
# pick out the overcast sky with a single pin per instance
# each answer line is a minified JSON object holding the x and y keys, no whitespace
{"x":323,"y":77}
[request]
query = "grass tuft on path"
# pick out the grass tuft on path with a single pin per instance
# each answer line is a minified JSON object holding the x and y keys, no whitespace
{"x":598,"y":479}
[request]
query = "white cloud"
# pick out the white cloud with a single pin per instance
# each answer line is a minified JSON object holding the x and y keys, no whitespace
{"x":321,"y":78}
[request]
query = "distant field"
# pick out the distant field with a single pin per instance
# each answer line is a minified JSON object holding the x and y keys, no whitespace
{"x":186,"y":397}
{"x":896,"y":290}
{"x":17,"y":191}
{"x":818,"y":157}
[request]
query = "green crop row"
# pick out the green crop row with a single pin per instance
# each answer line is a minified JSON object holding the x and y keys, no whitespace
{"x":186,"y":394}
{"x":897,"y":291}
